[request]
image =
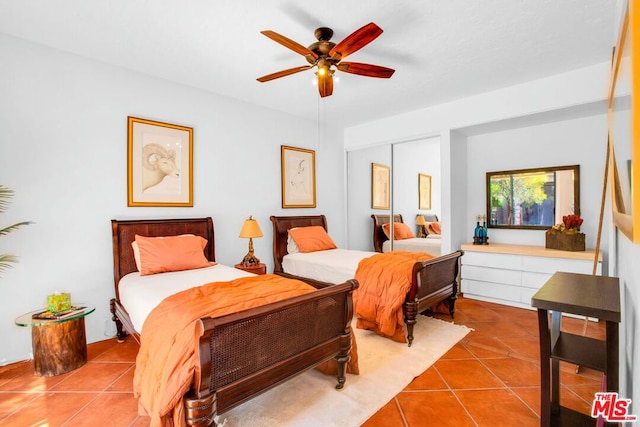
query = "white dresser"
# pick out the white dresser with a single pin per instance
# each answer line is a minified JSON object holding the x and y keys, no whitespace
{"x":511,"y":274}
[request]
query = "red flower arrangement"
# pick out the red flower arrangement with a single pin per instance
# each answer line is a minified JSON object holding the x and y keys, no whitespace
{"x":572,"y":222}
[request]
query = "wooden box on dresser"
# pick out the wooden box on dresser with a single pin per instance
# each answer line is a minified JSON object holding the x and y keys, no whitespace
{"x":510,"y":274}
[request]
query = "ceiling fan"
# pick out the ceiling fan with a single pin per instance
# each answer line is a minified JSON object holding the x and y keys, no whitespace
{"x":327,"y":56}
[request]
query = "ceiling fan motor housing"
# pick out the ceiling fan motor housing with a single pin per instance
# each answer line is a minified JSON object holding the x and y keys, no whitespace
{"x":322,"y":47}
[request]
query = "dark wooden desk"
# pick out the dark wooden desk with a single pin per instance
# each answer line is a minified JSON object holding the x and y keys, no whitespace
{"x":587,"y":295}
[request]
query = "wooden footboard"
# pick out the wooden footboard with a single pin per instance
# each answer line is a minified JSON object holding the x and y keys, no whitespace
{"x":247,"y":353}
{"x":435,"y":280}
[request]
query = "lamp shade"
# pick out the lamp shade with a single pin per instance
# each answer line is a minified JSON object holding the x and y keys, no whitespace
{"x":420,"y":220}
{"x":250,"y":229}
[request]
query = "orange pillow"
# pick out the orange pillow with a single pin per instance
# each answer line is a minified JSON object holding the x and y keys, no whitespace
{"x":312,"y":239}
{"x":401,"y":231}
{"x":434,"y":228}
{"x":170,"y":253}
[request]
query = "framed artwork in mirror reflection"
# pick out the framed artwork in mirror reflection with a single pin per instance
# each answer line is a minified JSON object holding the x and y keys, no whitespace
{"x":424,"y":191}
{"x":380,"y":186}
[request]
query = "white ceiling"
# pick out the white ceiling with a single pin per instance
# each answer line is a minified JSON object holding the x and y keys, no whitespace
{"x":442,"y":50}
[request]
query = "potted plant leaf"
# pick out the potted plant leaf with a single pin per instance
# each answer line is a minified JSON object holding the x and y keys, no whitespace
{"x":6,"y":195}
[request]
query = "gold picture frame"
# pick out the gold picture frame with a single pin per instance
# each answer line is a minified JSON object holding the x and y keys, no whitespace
{"x":624,"y":132}
{"x":380,"y":186}
{"x":298,"y":173}
{"x":159,"y":164}
{"x":424,"y":191}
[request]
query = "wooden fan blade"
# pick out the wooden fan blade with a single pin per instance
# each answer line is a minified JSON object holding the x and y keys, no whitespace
{"x":368,"y":70}
{"x":283,"y":73}
{"x":325,"y":84}
{"x":355,"y":41}
{"x":288,"y":43}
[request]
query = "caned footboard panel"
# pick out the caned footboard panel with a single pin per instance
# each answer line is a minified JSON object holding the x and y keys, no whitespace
{"x":247,"y":353}
{"x":435,"y":275}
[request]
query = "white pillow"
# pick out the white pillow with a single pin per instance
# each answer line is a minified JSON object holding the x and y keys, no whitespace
{"x":292,"y":248}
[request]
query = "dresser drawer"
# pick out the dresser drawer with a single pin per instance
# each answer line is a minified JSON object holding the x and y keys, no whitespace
{"x":492,"y":290}
{"x":551,"y":265}
{"x":495,"y":275}
{"x":502,"y":261}
{"x":534,"y":280}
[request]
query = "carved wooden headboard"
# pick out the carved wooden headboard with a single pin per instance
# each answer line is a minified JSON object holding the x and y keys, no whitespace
{"x":281,"y":225}
{"x":379,"y":236}
{"x":124,"y":233}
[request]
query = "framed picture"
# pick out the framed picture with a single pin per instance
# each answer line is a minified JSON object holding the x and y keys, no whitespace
{"x":624,"y":129}
{"x":380,"y":186}
{"x":160,"y":164}
{"x":298,"y":167}
{"x":424,"y":191}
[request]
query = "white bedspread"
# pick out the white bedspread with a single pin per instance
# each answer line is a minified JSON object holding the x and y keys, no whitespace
{"x":416,"y":244}
{"x":332,"y":266}
{"x":140,"y":294}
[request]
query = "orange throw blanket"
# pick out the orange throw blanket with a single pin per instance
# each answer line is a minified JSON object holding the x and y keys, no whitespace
{"x":167,"y":360}
{"x":384,"y":282}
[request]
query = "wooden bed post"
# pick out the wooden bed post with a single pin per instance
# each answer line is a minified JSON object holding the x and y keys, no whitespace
{"x":200,"y":412}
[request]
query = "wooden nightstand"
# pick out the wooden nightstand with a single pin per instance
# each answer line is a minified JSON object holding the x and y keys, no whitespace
{"x":255,"y":269}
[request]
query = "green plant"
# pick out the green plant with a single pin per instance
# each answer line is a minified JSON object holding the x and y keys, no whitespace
{"x":5,"y":197}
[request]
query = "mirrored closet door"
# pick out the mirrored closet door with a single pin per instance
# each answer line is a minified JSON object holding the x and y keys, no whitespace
{"x":414,"y":186}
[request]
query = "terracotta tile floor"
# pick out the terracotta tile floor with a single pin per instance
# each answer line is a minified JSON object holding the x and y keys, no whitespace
{"x":490,"y":378}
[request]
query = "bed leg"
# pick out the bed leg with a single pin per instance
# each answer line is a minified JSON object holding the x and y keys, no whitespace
{"x":452,"y":305}
{"x":120,"y":333}
{"x":410,"y":314}
{"x":200,"y":412}
{"x":342,"y":358}
{"x":342,"y":369}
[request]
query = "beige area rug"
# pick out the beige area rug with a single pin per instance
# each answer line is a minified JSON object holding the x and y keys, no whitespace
{"x":386,"y":368}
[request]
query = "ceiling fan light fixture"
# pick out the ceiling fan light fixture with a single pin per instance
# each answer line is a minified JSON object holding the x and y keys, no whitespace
{"x":326,"y":56}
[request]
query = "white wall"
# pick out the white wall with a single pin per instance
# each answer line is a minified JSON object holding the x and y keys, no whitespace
{"x":627,"y":269}
{"x":63,"y":142}
{"x":581,"y":141}
{"x":551,"y":94}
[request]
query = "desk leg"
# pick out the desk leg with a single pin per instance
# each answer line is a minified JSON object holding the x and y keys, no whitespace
{"x":59,"y":347}
{"x":545,"y":365}
{"x":556,"y":318}
{"x":612,"y":356}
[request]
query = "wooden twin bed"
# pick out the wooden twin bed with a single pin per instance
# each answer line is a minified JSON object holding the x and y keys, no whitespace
{"x":245,"y":353}
{"x":433,"y":281}
{"x":430,"y":244}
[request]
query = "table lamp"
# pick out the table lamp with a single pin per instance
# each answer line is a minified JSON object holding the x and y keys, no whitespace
{"x":250,"y":229}
{"x":421,"y":222}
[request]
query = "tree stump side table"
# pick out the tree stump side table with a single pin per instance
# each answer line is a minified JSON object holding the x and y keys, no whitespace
{"x":59,"y":345}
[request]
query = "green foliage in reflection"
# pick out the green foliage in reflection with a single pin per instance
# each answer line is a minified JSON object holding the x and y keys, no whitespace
{"x":509,"y":192}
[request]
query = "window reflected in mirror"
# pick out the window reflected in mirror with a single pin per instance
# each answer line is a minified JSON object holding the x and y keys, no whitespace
{"x":532,"y":198}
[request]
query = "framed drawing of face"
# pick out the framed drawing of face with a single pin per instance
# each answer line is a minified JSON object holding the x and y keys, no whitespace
{"x":298,"y":172}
